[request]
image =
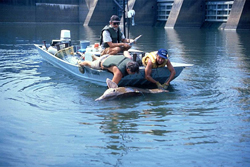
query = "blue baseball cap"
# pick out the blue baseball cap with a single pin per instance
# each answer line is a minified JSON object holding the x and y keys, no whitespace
{"x":163,"y":53}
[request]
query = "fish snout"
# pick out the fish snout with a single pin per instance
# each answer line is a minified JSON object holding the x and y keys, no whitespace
{"x":98,"y":99}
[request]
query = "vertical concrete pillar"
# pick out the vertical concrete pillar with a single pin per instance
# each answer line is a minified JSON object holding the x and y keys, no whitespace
{"x":131,"y":4}
{"x":186,"y":13}
{"x":174,"y":14}
{"x":100,"y":12}
{"x":91,"y":4}
{"x":83,"y":11}
{"x":239,"y":17}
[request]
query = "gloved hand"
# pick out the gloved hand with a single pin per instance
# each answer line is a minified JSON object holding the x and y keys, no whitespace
{"x":165,"y":86}
{"x":159,"y":86}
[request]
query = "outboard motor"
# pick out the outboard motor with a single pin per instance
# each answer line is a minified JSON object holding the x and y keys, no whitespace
{"x":65,"y":38}
{"x":64,"y":42}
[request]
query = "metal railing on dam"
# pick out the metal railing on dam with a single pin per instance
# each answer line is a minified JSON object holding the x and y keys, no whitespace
{"x":164,"y":9}
{"x":216,"y":11}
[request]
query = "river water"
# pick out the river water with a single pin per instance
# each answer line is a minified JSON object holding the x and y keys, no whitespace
{"x":49,"y":117}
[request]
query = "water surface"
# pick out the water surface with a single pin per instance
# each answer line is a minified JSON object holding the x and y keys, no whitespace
{"x":49,"y":117}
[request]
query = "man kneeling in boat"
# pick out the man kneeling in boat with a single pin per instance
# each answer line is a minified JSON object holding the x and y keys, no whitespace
{"x":155,"y":60}
{"x":113,"y":40}
{"x":119,"y":65}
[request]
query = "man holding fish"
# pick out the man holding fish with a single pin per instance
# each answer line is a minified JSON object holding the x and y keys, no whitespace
{"x":151,"y":60}
{"x":155,"y":60}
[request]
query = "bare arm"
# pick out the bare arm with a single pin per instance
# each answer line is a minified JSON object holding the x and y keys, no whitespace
{"x":112,"y":45}
{"x":126,"y":54}
{"x":107,"y":38}
{"x":125,"y":40}
{"x":85,"y":63}
{"x":148,"y":71}
{"x":172,"y":72}
{"x":117,"y":74}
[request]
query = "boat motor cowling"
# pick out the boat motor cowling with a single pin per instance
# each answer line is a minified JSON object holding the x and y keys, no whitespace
{"x":65,"y":37}
{"x":64,"y":42}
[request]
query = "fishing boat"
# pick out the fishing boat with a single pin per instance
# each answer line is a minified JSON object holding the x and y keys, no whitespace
{"x":61,"y":54}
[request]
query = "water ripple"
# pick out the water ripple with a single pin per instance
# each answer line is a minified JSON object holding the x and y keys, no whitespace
{"x":49,"y":118}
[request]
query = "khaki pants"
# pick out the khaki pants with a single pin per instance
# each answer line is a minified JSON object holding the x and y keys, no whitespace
{"x":96,"y":64}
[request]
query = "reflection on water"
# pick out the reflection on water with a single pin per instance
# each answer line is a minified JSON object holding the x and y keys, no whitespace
{"x":49,"y":118}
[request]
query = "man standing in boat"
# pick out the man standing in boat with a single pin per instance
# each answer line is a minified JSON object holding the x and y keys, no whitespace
{"x":155,"y":60}
{"x":119,"y":65}
{"x":113,"y":40}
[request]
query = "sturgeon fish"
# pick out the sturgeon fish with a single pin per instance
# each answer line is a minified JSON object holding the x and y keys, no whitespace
{"x":114,"y":91}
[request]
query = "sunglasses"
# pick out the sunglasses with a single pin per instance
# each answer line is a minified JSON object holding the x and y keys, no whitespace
{"x":116,"y":23}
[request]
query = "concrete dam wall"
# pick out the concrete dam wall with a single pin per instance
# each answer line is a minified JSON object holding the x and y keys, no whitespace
{"x":39,"y":11}
{"x":184,"y":13}
{"x":87,"y":12}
